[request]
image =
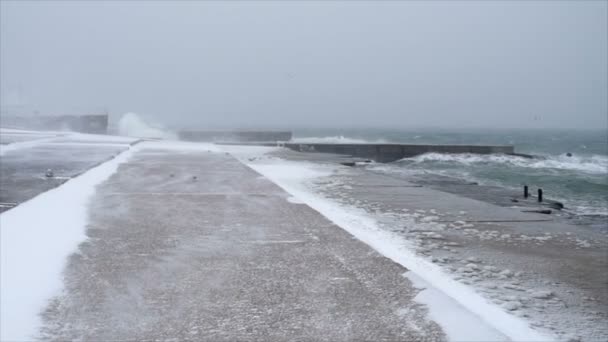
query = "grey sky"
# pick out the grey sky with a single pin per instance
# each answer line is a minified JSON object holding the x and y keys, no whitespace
{"x":302,"y":63}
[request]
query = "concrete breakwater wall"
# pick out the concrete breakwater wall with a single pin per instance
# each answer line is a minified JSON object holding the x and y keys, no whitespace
{"x":235,"y":136}
{"x":385,"y":153}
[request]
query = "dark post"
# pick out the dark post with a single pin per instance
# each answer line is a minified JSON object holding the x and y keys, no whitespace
{"x":540,"y":195}
{"x":526,"y":194}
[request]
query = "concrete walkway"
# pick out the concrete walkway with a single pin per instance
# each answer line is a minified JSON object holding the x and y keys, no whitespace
{"x":224,"y":256}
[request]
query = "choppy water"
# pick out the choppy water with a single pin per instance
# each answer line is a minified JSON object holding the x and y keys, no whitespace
{"x":580,"y":181}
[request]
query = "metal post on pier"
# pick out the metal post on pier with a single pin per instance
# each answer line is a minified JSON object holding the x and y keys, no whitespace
{"x":540,"y":195}
{"x":526,"y":194}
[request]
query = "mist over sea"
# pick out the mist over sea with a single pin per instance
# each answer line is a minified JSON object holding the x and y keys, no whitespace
{"x":579,"y":181}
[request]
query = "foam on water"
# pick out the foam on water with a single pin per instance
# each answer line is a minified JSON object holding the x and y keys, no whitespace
{"x":338,"y":139}
{"x":580,"y":181}
{"x":596,"y":164}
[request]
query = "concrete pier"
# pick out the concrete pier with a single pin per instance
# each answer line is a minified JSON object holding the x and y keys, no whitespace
{"x":390,"y":152}
{"x":226,"y":257}
{"x":235,"y":136}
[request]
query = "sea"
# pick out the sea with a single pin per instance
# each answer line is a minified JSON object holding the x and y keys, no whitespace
{"x":570,"y":166}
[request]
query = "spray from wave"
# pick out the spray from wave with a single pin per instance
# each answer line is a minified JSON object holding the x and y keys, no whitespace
{"x":337,"y":139}
{"x":132,"y":125}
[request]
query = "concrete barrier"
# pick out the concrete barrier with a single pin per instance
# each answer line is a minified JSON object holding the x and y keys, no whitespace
{"x":235,"y":136}
{"x":390,"y":152}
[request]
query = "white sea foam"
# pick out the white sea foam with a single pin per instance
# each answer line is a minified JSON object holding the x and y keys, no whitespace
{"x":589,"y":164}
{"x":338,"y":139}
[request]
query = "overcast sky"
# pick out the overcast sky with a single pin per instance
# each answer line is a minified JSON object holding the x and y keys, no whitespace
{"x":394,"y":64}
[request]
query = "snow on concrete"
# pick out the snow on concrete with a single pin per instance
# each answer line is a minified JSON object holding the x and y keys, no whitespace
{"x":5,"y":148}
{"x":51,"y":137}
{"x":37,"y":236}
{"x":4,"y":130}
{"x":294,"y":200}
{"x":180,"y":146}
{"x":113,"y":139}
{"x":456,"y":322}
{"x":491,"y":320}
{"x":35,"y":239}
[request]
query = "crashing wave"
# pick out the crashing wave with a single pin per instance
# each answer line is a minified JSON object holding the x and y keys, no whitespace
{"x":132,"y":125}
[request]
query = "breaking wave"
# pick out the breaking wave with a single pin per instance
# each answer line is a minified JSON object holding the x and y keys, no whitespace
{"x":594,"y":164}
{"x":338,"y":139}
{"x":132,"y":125}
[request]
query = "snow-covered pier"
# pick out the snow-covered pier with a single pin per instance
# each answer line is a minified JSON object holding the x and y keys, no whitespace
{"x":195,"y":241}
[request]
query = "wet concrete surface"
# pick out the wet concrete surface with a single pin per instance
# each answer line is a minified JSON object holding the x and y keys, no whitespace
{"x":535,"y":252}
{"x":196,"y":246}
{"x":23,"y":171}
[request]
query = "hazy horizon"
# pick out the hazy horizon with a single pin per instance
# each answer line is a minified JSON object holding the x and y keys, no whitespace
{"x":401,"y":65}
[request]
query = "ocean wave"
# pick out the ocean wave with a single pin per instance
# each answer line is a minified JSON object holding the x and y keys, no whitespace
{"x":596,"y":164}
{"x":133,"y":125}
{"x":337,"y":139}
{"x":588,"y":210}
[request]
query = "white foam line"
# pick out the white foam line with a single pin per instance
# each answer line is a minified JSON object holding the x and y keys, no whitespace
{"x":456,"y":321}
{"x":395,"y":248}
{"x":24,"y":144}
{"x":180,"y":146}
{"x":28,"y":132}
{"x":35,"y":239}
{"x":87,"y":144}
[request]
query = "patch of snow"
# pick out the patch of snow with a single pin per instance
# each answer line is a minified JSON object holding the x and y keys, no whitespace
{"x":541,"y":294}
{"x":85,"y":144}
{"x":5,"y":148}
{"x":512,"y":306}
{"x":116,"y":139}
{"x":66,"y":138}
{"x":4,"y":130}
{"x":182,"y":146}
{"x":455,"y":320}
{"x":35,"y":239}
{"x":507,"y":273}
{"x":294,"y":200}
